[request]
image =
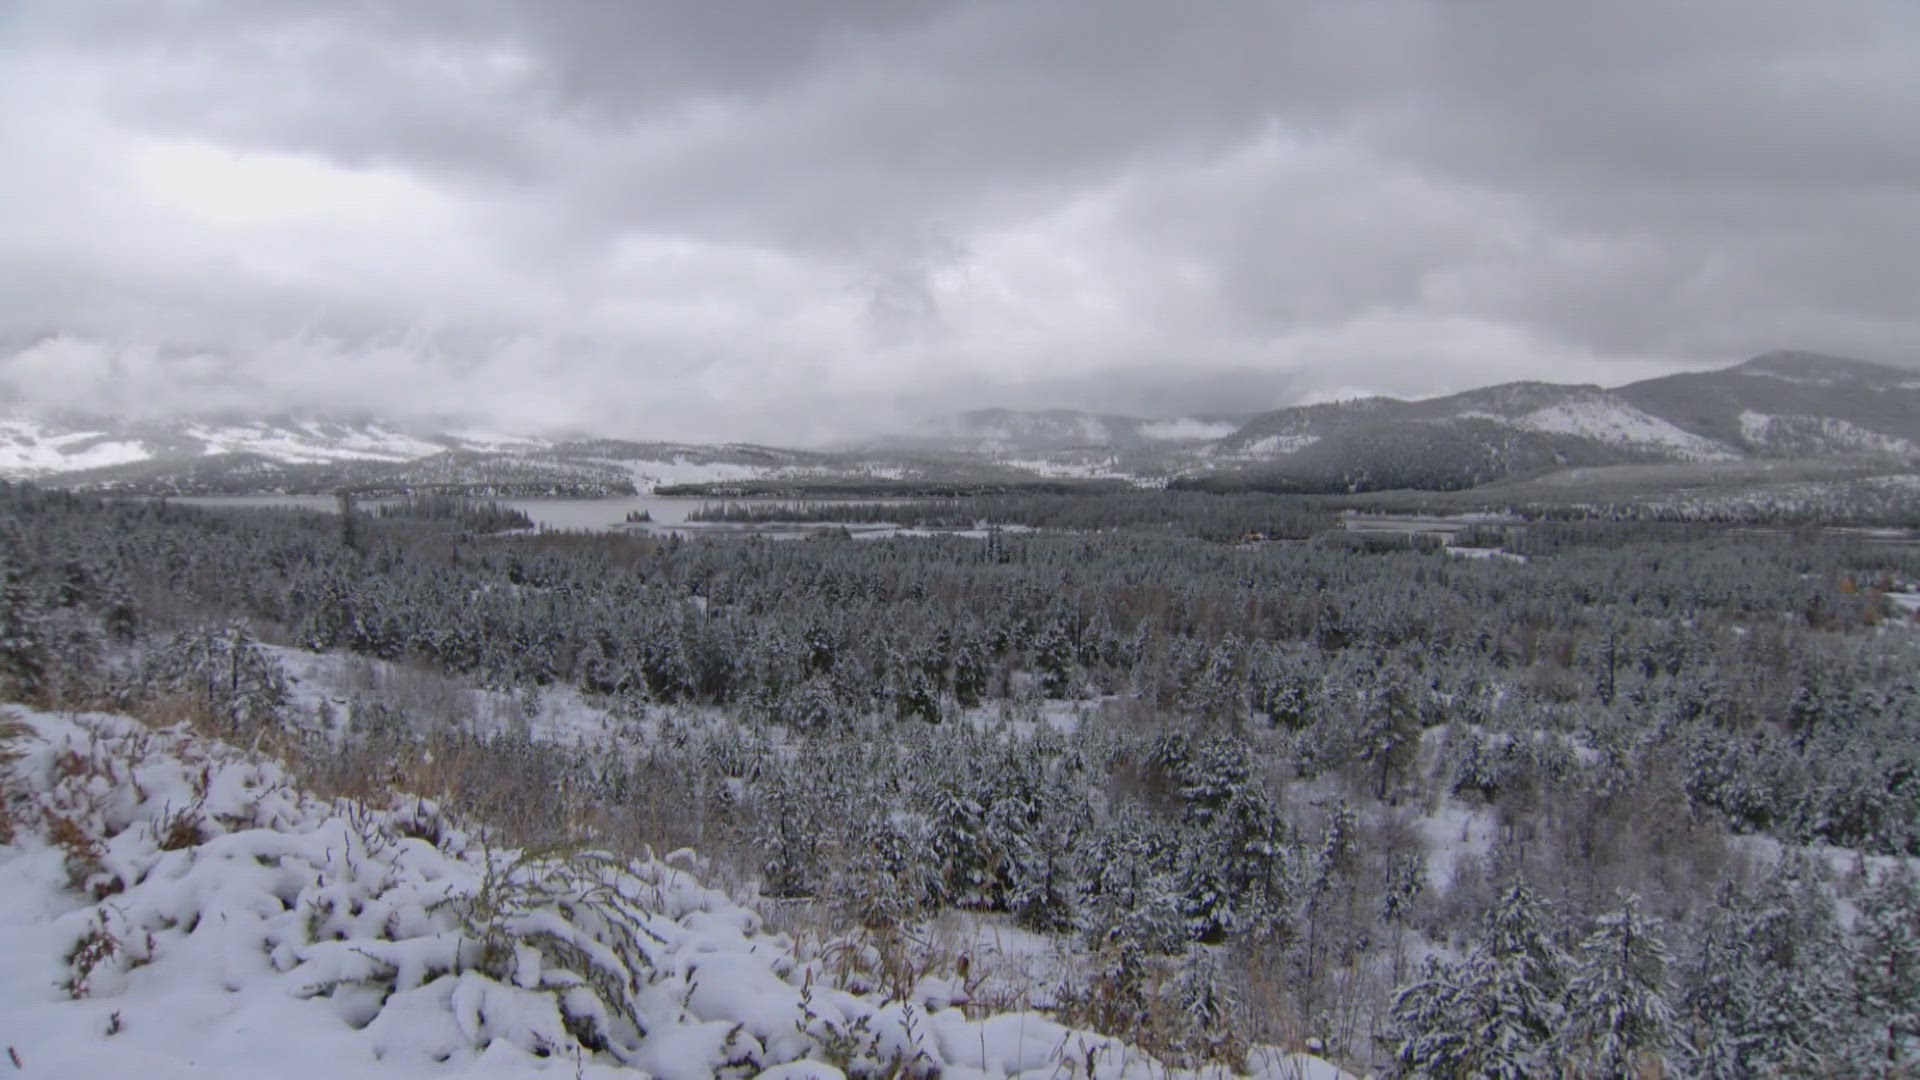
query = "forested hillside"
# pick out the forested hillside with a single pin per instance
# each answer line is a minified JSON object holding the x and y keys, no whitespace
{"x":1620,"y":797}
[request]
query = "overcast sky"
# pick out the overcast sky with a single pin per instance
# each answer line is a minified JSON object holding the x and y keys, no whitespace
{"x":794,"y":219}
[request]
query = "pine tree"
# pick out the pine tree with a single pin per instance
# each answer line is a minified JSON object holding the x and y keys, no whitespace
{"x":1619,"y":1022}
{"x":1054,"y":657}
{"x":1208,"y":1010}
{"x":1764,"y":989}
{"x":1886,"y":972}
{"x":1425,"y":1025}
{"x":1494,"y":1014}
{"x":957,"y":823}
{"x":1515,"y":983}
{"x":1206,"y":901}
{"x":1406,"y":880}
{"x":1254,"y":843}
{"x":891,"y":880}
{"x":23,"y":635}
{"x":789,"y":838}
{"x":1390,"y":735}
{"x":971,"y":672}
{"x":1720,"y":993}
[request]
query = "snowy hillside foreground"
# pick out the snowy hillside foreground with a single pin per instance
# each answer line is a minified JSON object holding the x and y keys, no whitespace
{"x":172,"y":907}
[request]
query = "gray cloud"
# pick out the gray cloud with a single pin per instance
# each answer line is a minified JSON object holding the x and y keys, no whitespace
{"x":799,"y":220}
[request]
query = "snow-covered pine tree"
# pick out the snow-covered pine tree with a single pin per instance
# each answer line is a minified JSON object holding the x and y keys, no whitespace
{"x":1208,"y":1009}
{"x":971,"y":671}
{"x":1256,"y":845}
{"x":23,"y":645}
{"x":1514,"y":984}
{"x":1043,"y":890}
{"x":1618,"y":1021}
{"x":890,"y":880}
{"x":1406,"y":880}
{"x":1425,"y":1024}
{"x":1886,"y":973}
{"x":1390,"y":733}
{"x":1796,"y":937}
{"x":1054,"y":659}
{"x":956,"y":823}
{"x":1764,"y":988}
{"x":1206,"y":901}
{"x":1214,"y":775}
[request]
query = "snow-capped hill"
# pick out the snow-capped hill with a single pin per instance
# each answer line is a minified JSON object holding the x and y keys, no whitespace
{"x":649,"y":465}
{"x":30,"y":448}
{"x":1774,"y":406}
{"x":301,"y":442}
{"x":1503,"y":413}
{"x":1791,"y":404}
{"x":170,"y":906}
{"x":1809,"y":436}
{"x":1582,"y":412}
{"x":1592,"y":413}
{"x":36,"y":446}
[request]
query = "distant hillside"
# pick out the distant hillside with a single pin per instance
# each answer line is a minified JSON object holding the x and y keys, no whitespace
{"x":1792,"y":404}
{"x":471,"y":472}
{"x":1782,"y":405}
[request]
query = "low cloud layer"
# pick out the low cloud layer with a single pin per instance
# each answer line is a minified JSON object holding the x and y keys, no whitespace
{"x":804,"y":220}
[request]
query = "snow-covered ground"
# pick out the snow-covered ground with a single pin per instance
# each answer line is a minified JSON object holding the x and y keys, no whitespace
{"x":648,"y":475}
{"x":173,"y":907}
{"x":1069,"y":467}
{"x":1484,"y":553}
{"x":1906,"y":603}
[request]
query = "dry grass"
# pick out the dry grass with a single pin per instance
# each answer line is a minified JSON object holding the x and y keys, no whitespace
{"x":181,"y":829}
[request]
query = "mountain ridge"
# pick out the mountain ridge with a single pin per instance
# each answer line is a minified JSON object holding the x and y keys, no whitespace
{"x":1779,"y":405}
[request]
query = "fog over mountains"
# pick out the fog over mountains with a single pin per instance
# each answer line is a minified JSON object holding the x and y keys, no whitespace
{"x":1782,"y":405}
